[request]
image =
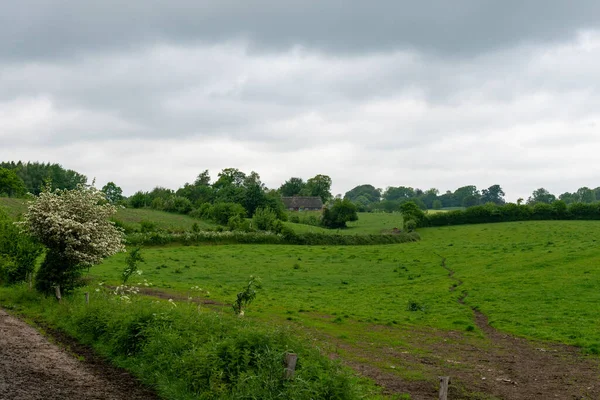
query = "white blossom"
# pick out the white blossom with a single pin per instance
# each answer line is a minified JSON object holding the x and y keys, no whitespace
{"x":76,"y":222}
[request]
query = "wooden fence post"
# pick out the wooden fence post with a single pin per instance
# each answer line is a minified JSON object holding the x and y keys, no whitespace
{"x":87,"y":298}
{"x":290,"y":365}
{"x":30,"y":280}
{"x":444,"y":382}
{"x":57,"y":292}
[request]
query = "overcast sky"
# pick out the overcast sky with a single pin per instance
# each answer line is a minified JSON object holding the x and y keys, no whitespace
{"x":425,"y":94}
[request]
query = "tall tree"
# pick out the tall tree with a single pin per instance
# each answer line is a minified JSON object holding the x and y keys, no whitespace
{"x":493,"y":194}
{"x":112,"y":192}
{"x":369,"y":192}
{"x":586,"y":195}
{"x":466,"y":196}
{"x":320,"y":185}
{"x":35,"y":175}
{"x":398,"y":193}
{"x":292,"y":187}
{"x":541,"y":195}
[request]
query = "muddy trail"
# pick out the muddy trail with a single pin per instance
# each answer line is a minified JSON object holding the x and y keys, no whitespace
{"x":32,"y":368}
{"x":508,"y":367}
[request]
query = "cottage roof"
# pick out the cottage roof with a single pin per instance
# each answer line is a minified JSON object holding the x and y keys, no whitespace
{"x":303,"y":202}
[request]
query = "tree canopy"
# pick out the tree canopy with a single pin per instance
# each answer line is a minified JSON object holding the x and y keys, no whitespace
{"x":35,"y":175}
{"x":11,"y":184}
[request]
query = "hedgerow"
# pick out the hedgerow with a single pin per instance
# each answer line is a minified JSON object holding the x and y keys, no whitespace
{"x":286,"y":237}
{"x":490,"y":213}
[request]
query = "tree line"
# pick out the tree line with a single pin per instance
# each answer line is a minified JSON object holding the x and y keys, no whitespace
{"x":368,"y":198}
{"x":17,"y":179}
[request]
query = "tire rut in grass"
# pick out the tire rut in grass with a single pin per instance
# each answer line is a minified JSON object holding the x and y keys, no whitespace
{"x":457,"y":282}
{"x":515,"y":368}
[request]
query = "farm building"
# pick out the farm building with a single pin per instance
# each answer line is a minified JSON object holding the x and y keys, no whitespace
{"x":303,"y":203}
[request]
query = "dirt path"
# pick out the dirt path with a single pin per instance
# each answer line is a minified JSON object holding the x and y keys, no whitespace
{"x":517,"y":369}
{"x":32,"y":368}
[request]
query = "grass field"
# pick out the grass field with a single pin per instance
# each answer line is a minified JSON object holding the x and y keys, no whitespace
{"x":162,"y":220}
{"x":536,"y":279}
{"x":368,"y":223}
{"x":14,"y":207}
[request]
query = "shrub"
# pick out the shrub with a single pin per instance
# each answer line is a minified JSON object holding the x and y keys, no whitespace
{"x":338,"y":214}
{"x":264,"y":219}
{"x":177,"y":204}
{"x":147,"y":226}
{"x":74,"y":225}
{"x":18,"y":252}
{"x":221,"y":212}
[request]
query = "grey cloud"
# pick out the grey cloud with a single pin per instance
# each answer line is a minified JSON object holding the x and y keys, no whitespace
{"x":46,"y":29}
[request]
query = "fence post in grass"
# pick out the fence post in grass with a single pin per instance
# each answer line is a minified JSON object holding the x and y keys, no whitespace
{"x":290,"y":365}
{"x":57,"y":292}
{"x":444,"y":382}
{"x":30,"y":278}
{"x":87,"y":298}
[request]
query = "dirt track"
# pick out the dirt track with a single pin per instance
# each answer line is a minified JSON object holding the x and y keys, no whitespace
{"x":32,"y":368}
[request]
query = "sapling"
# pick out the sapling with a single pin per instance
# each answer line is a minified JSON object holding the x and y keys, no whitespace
{"x":133,"y":258}
{"x":246,"y":296}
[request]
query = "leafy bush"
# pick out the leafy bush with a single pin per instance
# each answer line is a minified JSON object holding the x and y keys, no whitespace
{"x":221,"y":212}
{"x":178,"y":204}
{"x":147,"y":226}
{"x":18,"y":252}
{"x":338,"y":214}
{"x":264,"y":219}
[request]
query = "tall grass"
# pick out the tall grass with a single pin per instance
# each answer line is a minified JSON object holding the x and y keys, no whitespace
{"x":189,"y":353}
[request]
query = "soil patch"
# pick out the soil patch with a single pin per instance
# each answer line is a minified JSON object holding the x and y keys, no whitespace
{"x":32,"y":368}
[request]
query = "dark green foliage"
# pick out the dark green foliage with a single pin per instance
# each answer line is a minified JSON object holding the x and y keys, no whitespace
{"x":57,"y":270}
{"x":133,"y":258}
{"x":177,"y":204}
{"x":11,"y":184}
{"x":222,"y":212}
{"x":363,"y":196}
{"x":18,"y":252}
{"x":247,"y":295}
{"x":412,"y":215}
{"x":113,"y":193}
{"x":147,"y":226}
{"x":264,"y":219}
{"x":292,"y":187}
{"x":541,"y":195}
{"x":558,"y":210}
{"x":319,"y":185}
{"x":35,"y":175}
{"x":286,"y":236}
{"x":336,"y":216}
{"x":139,"y":200}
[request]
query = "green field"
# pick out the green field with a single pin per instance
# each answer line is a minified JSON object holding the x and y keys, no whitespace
{"x":14,"y":207}
{"x":162,"y":220}
{"x":368,"y":223}
{"x":539,"y":280}
{"x":536,"y":279}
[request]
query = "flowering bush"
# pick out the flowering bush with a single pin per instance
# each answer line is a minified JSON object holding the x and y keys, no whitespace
{"x":74,"y":225}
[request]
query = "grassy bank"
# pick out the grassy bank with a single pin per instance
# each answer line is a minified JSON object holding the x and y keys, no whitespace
{"x":184,"y":351}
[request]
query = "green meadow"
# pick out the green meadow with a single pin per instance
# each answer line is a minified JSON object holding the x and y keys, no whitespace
{"x":538,"y":280}
{"x":367,"y":224}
